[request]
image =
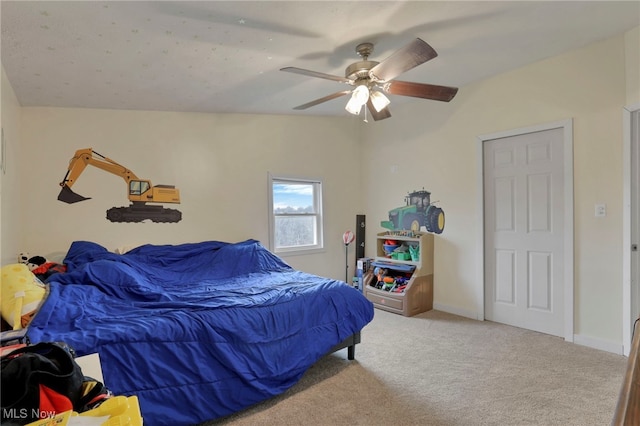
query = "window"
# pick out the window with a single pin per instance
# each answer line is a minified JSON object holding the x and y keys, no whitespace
{"x":138,"y":187}
{"x":295,"y":215}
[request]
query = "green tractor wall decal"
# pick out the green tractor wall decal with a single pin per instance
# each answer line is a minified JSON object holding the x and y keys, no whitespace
{"x":417,"y":212}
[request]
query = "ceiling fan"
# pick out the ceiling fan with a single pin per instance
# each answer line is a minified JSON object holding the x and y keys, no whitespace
{"x":372,"y":78}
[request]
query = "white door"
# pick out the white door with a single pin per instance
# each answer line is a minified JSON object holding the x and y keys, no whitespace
{"x":524,"y":190}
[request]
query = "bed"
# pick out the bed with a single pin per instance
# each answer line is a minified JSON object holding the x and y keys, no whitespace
{"x":201,"y":330}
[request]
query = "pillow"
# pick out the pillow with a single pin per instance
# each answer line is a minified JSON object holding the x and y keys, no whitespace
{"x":21,"y":295}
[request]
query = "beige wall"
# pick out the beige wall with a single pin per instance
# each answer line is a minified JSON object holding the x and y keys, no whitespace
{"x":220,"y":163}
{"x":632,"y":50}
{"x":10,"y":229}
{"x":434,"y":145}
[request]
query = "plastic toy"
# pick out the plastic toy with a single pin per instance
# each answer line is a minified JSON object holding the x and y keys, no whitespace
{"x":123,"y":411}
{"x":414,"y":252}
{"x":389,"y":247}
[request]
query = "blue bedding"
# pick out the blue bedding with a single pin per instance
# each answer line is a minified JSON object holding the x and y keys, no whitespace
{"x":197,"y":331}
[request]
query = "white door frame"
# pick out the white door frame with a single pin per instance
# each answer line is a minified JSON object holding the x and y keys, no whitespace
{"x":567,"y":126}
{"x":627,"y":332}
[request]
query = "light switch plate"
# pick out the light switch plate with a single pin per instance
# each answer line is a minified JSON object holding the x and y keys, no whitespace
{"x":601,"y":210}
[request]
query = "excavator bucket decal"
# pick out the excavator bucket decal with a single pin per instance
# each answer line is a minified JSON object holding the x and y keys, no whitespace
{"x":68,"y":196}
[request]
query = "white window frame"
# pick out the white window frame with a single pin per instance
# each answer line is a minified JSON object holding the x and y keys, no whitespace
{"x":317,"y":197}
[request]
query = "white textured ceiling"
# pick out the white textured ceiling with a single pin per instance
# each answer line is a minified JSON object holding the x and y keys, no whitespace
{"x":225,"y":56}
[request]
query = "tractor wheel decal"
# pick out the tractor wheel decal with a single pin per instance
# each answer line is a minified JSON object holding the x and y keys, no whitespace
{"x":411,"y":221}
{"x":435,"y":219}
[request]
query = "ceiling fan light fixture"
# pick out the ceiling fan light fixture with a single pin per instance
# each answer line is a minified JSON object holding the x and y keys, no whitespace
{"x":359,"y":97}
{"x":371,"y":80}
{"x":353,"y":106}
{"x":379,"y":100}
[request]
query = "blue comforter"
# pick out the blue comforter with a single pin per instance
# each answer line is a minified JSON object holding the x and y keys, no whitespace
{"x":196,"y":331}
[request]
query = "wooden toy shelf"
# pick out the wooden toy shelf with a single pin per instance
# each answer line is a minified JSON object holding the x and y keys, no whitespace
{"x":417,"y":296}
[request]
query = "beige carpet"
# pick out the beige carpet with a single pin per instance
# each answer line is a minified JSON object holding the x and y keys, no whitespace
{"x":441,"y":369}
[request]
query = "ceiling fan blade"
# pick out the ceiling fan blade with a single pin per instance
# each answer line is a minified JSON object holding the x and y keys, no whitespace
{"x":321,"y":100}
{"x":420,"y":90}
{"x":316,"y":74}
{"x":378,"y":115}
{"x":410,"y":56}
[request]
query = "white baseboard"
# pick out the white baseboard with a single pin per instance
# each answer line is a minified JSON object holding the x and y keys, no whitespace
{"x":603,"y":345}
{"x":591,"y":342}
{"x":456,"y":311}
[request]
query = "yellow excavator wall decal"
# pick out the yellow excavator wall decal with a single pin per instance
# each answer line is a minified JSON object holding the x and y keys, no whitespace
{"x":140,"y":191}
